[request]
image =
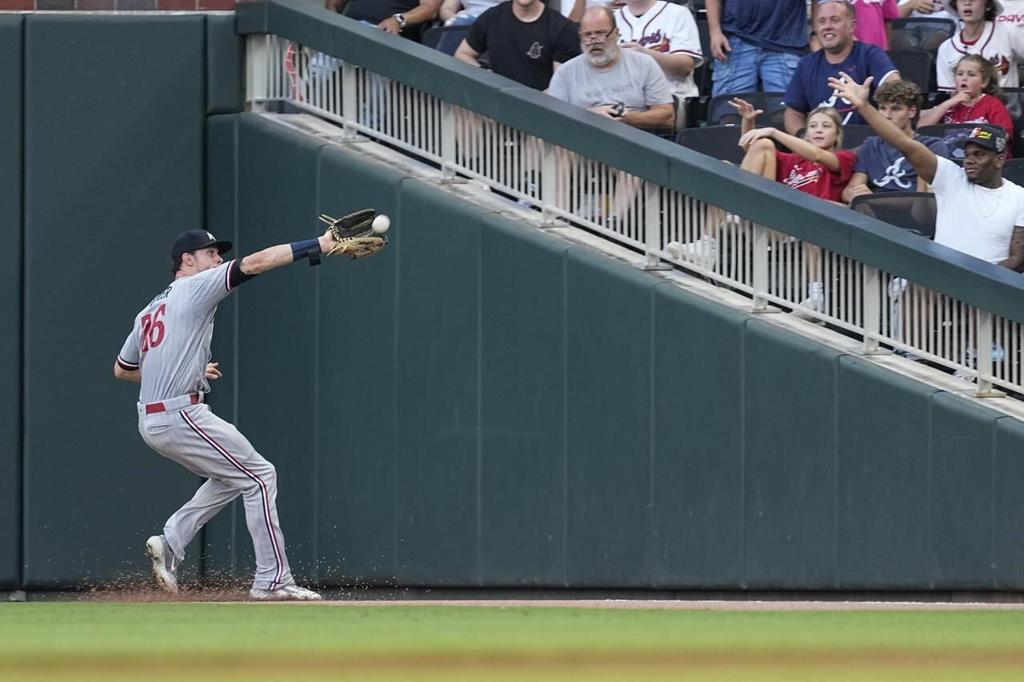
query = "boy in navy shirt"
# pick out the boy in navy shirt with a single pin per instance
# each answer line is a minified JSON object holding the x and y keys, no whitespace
{"x":882,"y":167}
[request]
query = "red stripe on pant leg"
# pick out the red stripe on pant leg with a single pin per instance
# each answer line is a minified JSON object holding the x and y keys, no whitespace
{"x":263,"y":493}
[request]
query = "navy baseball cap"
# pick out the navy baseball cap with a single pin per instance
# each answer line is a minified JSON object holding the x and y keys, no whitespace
{"x":193,"y":240}
{"x":992,"y":138}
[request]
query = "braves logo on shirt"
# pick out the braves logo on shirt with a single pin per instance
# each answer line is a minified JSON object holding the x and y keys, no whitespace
{"x":895,"y":174}
{"x":656,"y":41}
{"x":1001,"y":63}
{"x":796,"y":179}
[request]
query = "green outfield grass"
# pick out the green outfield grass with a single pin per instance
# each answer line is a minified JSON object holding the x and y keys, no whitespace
{"x":197,"y":642}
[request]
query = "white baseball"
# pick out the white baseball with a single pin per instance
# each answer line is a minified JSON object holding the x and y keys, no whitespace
{"x":381,"y":224}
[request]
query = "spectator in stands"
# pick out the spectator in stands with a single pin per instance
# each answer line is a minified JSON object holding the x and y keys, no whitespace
{"x":882,"y":167}
{"x":809,"y":89}
{"x":979,"y":213}
{"x":980,"y":34}
{"x":756,"y":44}
{"x":978,"y":98}
{"x":816,"y":165}
{"x":526,"y":41}
{"x":666,"y":32}
{"x":398,"y":17}
{"x":622,"y":85}
{"x":463,"y":12}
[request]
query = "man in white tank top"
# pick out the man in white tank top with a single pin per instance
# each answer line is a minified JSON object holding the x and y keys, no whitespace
{"x":168,"y":353}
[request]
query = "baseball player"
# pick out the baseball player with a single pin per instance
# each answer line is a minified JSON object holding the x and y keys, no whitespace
{"x":168,"y":353}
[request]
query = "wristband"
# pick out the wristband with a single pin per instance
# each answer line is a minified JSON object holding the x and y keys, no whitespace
{"x":309,"y":248}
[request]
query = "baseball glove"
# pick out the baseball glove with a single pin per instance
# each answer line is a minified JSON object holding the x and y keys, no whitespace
{"x":353,"y":234}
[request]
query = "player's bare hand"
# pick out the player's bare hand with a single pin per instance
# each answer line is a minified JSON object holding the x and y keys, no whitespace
{"x":853,"y":92}
{"x":390,"y":25}
{"x":751,"y":136}
{"x":720,"y":46}
{"x":745,"y":109}
{"x":213,"y":371}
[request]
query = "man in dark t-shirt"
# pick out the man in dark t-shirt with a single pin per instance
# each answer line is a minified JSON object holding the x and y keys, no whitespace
{"x":525,"y":41}
{"x":398,"y":17}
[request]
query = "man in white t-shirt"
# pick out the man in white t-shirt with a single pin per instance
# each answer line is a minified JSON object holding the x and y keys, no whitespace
{"x":666,"y":32}
{"x":978,"y":211}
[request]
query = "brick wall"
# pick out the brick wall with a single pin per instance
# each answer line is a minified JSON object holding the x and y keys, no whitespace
{"x":171,"y":5}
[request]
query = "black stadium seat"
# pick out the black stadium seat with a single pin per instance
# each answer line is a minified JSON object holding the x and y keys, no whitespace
{"x":452,"y":36}
{"x":720,"y":112}
{"x":854,"y":135}
{"x":917,"y":66}
{"x":721,"y":142}
{"x":1014,"y":171}
{"x":912,"y":211}
{"x":952,"y":133}
{"x":920,"y":33}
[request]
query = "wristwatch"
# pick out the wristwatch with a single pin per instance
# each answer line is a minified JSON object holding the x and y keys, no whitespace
{"x":400,"y":18}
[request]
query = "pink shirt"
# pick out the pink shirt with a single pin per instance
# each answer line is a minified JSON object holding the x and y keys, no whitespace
{"x":871,"y":18}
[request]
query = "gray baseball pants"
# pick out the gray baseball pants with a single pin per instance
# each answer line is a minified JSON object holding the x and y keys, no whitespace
{"x":210,"y":447}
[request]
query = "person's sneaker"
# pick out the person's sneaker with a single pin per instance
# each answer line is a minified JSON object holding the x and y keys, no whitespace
{"x":286,"y":593}
{"x":703,"y":252}
{"x":165,"y":565}
{"x":814,"y":302}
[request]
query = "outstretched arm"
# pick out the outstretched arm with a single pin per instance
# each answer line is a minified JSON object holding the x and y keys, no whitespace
{"x":920,"y":157}
{"x":283,"y":254}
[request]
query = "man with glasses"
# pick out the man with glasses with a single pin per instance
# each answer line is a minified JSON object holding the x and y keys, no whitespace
{"x":622,"y":85}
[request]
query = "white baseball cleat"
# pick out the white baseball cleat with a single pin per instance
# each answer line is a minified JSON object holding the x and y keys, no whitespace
{"x":286,"y":593}
{"x":165,"y":565}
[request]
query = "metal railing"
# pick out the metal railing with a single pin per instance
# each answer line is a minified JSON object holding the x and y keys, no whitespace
{"x":882,"y":310}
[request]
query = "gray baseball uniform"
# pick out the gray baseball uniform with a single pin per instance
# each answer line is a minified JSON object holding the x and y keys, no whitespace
{"x":170,"y":344}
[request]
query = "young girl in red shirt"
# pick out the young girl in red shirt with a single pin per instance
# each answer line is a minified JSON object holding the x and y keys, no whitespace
{"x":978,"y":98}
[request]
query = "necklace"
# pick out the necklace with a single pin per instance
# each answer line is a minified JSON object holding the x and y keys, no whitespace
{"x":977,"y":209}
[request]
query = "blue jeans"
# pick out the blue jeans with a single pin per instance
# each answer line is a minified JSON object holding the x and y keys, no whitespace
{"x":739,"y":73}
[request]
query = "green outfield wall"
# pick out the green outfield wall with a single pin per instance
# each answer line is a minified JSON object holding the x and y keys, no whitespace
{"x":482,"y":404}
{"x":486,"y":405}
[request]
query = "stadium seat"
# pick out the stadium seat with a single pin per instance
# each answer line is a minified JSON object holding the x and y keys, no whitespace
{"x":1013,"y":171}
{"x":721,"y":142}
{"x":917,"y":66}
{"x":912,"y":211}
{"x":952,"y":133}
{"x":854,"y":135}
{"x":920,"y":33}
{"x":1015,"y":105}
{"x":720,"y":112}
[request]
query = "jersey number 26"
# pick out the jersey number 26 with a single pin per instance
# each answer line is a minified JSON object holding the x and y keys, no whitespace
{"x":153,"y":329}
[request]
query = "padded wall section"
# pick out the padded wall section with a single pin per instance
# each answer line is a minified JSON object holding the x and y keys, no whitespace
{"x":789,"y":475}
{"x":277,"y":322}
{"x":696,"y":538}
{"x":10,"y":299}
{"x":608,"y":423}
{"x":355,"y":383}
{"x":219,"y":551}
{"x":113,"y":111}
{"x":438,"y":400}
{"x":224,"y":50}
{"x":522,"y":375}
